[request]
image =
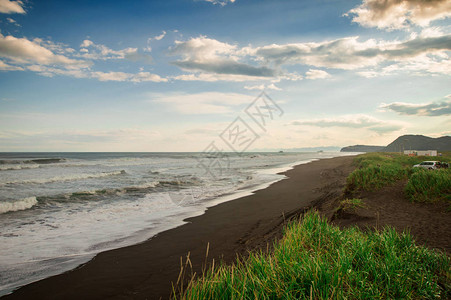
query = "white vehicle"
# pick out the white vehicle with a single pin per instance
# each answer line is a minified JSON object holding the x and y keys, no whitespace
{"x":429,"y":165}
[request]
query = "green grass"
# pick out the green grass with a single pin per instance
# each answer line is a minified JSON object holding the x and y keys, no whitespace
{"x":316,"y":260}
{"x":376,"y":170}
{"x":429,"y":185}
{"x":350,"y":205}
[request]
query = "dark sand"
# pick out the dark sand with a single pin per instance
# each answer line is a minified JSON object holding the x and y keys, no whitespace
{"x":429,"y":223}
{"x":145,"y":271}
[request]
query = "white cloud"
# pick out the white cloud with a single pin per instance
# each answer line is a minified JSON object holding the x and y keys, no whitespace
{"x":93,"y":51}
{"x":220,"y":2}
{"x":49,"y":59}
{"x":262,"y":87}
{"x":121,"y":76}
{"x":330,"y":54}
{"x":11,"y":7}
{"x":203,"y":103}
{"x":49,"y":71}
{"x":398,"y":14}
{"x":24,"y":51}
{"x":155,"y":38}
{"x":12,"y":21}
{"x":146,"y":76}
{"x":316,"y":74}
{"x":421,"y":65}
{"x":207,"y":59}
{"x":202,"y":48}
{"x":432,"y":109}
{"x":358,"y":121}
{"x":86,"y":43}
{"x":417,"y":54}
{"x":160,"y":37}
{"x":6,"y":67}
{"x":207,"y":55}
{"x":289,"y":76}
{"x":432,"y":32}
{"x":111,"y":76}
{"x":211,"y":60}
{"x":208,"y":77}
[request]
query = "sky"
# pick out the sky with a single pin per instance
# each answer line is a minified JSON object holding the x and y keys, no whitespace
{"x":231,"y":75}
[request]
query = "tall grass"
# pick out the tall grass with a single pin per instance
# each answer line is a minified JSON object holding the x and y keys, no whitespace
{"x":376,"y":170}
{"x":315,"y":260}
{"x":429,"y":185}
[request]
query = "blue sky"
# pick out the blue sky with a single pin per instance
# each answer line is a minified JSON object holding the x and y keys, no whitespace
{"x":173,"y":75}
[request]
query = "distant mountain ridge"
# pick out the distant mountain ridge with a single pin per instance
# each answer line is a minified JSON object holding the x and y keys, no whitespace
{"x":419,"y":142}
{"x":406,"y":142}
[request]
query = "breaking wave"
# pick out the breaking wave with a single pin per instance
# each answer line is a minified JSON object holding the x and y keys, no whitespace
{"x":65,"y":178}
{"x":114,"y":191}
{"x":17,"y":205}
{"x":18,"y":167}
{"x":32,"y":161}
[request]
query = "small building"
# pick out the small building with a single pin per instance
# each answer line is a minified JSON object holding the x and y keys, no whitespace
{"x":420,"y":152}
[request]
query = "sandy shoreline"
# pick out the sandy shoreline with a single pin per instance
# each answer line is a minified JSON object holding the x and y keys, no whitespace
{"x":146,"y":270}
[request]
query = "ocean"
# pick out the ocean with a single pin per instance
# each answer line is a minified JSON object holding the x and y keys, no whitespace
{"x":57,"y":210}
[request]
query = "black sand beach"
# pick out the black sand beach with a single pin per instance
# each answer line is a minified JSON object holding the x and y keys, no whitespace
{"x":146,"y":270}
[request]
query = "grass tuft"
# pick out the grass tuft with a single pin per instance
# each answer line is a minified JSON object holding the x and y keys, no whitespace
{"x":350,"y":205}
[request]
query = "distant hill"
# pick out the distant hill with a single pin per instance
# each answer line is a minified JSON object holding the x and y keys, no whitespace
{"x":419,"y":142}
{"x":406,"y":142}
{"x":362,"y":148}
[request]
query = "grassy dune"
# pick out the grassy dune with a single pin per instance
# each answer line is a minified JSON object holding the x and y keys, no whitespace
{"x":427,"y":186}
{"x":316,"y":260}
{"x":375,"y":170}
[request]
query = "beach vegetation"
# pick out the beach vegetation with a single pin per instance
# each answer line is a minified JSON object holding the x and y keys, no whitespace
{"x":376,"y":170}
{"x":426,"y":186}
{"x":350,"y":205}
{"x":317,"y":260}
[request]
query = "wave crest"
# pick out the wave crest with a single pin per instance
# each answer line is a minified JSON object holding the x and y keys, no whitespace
{"x":32,"y":161}
{"x":17,"y":167}
{"x":17,"y":205}
{"x":65,"y":178}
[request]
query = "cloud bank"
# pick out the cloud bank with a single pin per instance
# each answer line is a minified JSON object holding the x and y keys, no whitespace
{"x":49,"y":59}
{"x":350,"y":54}
{"x":427,"y":53}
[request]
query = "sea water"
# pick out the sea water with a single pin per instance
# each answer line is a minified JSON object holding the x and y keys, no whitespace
{"x":57,"y":210}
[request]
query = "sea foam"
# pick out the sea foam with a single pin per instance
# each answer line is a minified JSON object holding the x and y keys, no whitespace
{"x":17,"y":205}
{"x":18,"y":167}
